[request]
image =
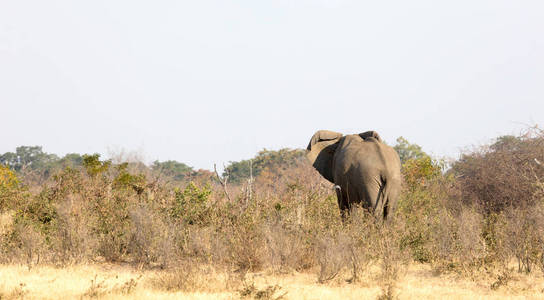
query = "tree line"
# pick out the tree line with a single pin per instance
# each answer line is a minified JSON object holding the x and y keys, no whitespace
{"x":35,"y":159}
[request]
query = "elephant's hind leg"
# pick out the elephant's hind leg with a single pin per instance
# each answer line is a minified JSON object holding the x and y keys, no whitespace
{"x":374,"y":197}
{"x":343,"y":204}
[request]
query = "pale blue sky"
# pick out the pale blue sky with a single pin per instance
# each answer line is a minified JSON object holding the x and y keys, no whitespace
{"x":213,"y":81}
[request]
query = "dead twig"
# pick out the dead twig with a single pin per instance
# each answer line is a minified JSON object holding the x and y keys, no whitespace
{"x":223,"y":180}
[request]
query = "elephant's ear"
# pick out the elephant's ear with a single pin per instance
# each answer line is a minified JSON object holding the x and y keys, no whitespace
{"x":370,"y":134}
{"x":320,"y":151}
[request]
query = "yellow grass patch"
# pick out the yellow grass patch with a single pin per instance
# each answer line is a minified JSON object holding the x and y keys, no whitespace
{"x":107,"y":281}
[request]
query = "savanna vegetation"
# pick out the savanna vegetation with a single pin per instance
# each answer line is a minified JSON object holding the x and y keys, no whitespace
{"x":476,"y":219}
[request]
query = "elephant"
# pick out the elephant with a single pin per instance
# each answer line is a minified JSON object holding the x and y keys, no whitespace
{"x":364,"y":170}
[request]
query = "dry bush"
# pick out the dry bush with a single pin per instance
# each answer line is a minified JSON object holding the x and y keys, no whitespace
{"x":481,"y":213}
{"x":393,"y":260}
{"x":333,"y":255}
{"x":181,"y":278}
{"x":245,"y":242}
{"x":96,"y":289}
{"x":71,"y":239}
{"x":100,"y":212}
{"x":149,"y":236}
{"x":30,"y":245}
{"x":503,"y":181}
{"x":363,"y":232}
{"x":458,"y":243}
{"x":520,"y":232}
{"x":287,"y":248}
{"x":100,"y":288}
{"x":503,"y":174}
{"x":190,"y":276}
{"x":267,"y":293}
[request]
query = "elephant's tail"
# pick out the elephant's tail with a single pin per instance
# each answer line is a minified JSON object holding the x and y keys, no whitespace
{"x":383,"y":204}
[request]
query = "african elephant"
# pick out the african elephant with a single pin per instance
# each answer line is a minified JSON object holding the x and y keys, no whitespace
{"x":364,"y":170}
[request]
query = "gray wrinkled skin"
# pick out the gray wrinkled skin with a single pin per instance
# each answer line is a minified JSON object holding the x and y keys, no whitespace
{"x":364,"y":170}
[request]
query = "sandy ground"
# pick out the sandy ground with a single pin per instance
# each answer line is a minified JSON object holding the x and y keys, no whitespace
{"x":117,"y":282}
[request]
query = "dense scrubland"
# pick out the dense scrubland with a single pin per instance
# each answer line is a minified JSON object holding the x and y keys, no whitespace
{"x":476,"y":219}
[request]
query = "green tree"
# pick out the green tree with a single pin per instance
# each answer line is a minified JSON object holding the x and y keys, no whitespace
{"x":94,"y":166}
{"x":71,"y":160}
{"x":9,"y":187}
{"x":417,"y":172}
{"x":191,"y":203}
{"x":408,"y":151}
{"x":29,"y":157}
{"x":265,"y":159}
{"x":124,"y":179}
{"x":172,"y":168}
{"x":35,"y":159}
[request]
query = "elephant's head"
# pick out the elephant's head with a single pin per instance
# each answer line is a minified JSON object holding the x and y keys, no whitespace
{"x":320,"y":151}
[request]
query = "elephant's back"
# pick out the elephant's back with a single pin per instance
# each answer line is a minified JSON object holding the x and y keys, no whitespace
{"x":390,"y":160}
{"x":368,"y":155}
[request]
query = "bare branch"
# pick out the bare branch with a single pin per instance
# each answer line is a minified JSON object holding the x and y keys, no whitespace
{"x":223,"y":181}
{"x":249,"y":188}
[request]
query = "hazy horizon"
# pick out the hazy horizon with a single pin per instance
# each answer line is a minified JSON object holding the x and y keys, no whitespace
{"x":213,"y":81}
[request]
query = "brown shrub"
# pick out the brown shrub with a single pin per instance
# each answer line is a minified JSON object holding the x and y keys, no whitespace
{"x":457,"y":243}
{"x":287,"y":248}
{"x":149,"y":240}
{"x":506,"y":173}
{"x":333,"y":255}
{"x":392,"y":258}
{"x":520,"y":234}
{"x":71,"y":239}
{"x":190,"y":276}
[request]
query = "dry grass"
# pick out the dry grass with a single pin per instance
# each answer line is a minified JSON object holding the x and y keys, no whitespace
{"x":107,"y":281}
